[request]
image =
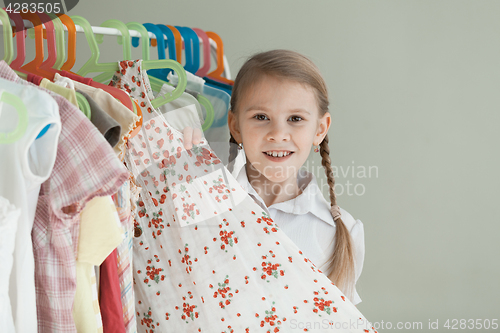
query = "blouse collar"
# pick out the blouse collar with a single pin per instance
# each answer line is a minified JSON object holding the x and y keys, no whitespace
{"x":311,"y":199}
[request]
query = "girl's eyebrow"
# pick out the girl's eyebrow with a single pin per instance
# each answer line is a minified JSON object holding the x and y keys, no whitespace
{"x":256,"y":108}
{"x":263,"y":108}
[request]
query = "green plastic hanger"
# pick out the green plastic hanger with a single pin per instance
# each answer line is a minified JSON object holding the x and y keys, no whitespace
{"x":8,"y":44}
{"x":144,"y":36}
{"x":22,"y":112}
{"x":83,"y":104}
{"x":61,"y":47}
{"x":124,"y":39}
{"x":171,"y":64}
{"x":92,"y":65}
{"x":210,"y":112}
{"x":157,"y":84}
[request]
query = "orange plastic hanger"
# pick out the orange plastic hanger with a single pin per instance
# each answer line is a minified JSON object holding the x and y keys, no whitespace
{"x":217,"y":73}
{"x":68,"y":22}
{"x":50,"y":34}
{"x":34,"y":66}
{"x":178,"y":42}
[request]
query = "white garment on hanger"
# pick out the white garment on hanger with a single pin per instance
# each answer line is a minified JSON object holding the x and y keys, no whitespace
{"x":26,"y":164}
{"x":9,"y":216}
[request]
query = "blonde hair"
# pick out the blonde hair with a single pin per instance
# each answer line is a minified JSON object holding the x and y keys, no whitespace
{"x":293,"y":66}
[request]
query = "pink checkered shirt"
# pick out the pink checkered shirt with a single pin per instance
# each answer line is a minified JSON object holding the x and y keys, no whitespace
{"x":85,"y":167}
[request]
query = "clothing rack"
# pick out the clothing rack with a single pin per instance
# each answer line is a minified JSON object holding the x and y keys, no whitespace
{"x":133,"y":33}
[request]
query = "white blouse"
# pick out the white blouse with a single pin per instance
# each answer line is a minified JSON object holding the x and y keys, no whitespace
{"x":307,"y":221}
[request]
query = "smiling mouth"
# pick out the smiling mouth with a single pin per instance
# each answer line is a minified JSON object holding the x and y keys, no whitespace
{"x":278,"y":153}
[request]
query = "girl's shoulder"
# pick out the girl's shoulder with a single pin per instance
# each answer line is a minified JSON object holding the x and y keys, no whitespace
{"x":349,"y":221}
{"x":317,"y":204}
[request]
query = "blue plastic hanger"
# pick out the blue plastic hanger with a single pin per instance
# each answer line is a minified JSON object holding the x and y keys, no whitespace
{"x":170,"y":41}
{"x":170,"y":45}
{"x":191,"y":49}
{"x":160,"y":73}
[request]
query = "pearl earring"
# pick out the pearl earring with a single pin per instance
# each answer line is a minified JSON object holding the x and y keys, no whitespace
{"x":240,"y":146}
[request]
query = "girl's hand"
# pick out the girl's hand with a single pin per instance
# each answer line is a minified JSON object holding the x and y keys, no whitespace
{"x":191,"y":136}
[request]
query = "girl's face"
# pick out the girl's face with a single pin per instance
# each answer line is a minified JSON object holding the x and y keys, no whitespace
{"x":278,"y":116}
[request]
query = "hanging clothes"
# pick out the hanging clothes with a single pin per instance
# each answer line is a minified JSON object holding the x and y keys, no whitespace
{"x":93,"y":247}
{"x":85,"y":167}
{"x":108,"y":127}
{"x":28,"y":163}
{"x":218,"y":133}
{"x":110,"y":300}
{"x":207,"y":258}
{"x":121,"y":114}
{"x":67,"y":93}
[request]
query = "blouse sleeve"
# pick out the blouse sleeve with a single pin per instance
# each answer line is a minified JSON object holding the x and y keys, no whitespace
{"x":358,"y":237}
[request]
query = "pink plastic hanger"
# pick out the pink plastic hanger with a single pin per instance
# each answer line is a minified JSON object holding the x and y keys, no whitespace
{"x":20,"y":45}
{"x":203,"y":71}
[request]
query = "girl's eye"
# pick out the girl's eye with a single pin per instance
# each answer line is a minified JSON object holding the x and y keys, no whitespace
{"x":264,"y":117}
{"x":260,"y":117}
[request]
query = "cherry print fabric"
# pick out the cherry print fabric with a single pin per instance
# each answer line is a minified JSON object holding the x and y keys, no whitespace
{"x":206,"y":256}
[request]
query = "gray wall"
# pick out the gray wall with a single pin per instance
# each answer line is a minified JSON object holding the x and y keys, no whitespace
{"x":415,"y":94}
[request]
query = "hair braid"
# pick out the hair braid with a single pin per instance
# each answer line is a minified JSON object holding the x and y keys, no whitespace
{"x":233,"y":152}
{"x":342,"y":261}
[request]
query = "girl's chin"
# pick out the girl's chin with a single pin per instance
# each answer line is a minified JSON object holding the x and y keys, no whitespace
{"x":271,"y":173}
{"x":275,"y":178}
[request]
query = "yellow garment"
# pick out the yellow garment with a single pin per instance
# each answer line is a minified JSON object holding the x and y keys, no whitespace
{"x":67,"y":93}
{"x":119,"y":112}
{"x":100,"y":234}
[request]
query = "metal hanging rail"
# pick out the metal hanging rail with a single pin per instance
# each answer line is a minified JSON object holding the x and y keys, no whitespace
{"x":133,"y":33}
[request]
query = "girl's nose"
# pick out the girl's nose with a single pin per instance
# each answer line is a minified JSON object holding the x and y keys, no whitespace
{"x":278,"y":132}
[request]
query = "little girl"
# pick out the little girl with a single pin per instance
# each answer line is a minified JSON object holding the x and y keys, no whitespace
{"x":279,"y":110}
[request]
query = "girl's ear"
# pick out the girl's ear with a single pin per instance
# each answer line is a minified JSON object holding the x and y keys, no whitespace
{"x":232,"y":123}
{"x":323,"y":126}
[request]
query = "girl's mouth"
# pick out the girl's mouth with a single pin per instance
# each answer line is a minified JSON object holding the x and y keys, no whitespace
{"x":278,"y":156}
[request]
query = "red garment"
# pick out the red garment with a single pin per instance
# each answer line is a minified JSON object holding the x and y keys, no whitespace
{"x":35,"y":79}
{"x":110,"y":300}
